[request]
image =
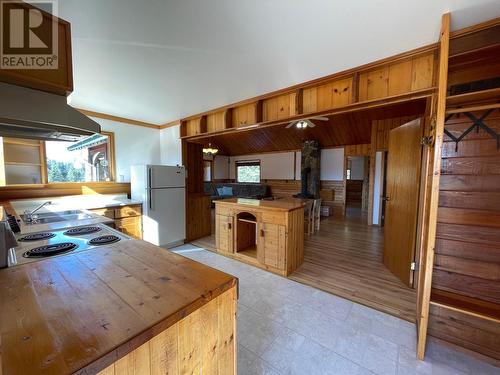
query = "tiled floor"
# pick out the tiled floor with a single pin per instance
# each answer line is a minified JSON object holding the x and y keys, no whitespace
{"x":288,"y":328}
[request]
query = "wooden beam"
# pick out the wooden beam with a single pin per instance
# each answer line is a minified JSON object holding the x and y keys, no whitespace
{"x":428,"y":255}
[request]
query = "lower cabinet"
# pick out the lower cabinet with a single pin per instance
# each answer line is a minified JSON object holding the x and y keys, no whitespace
{"x":127,"y":219}
{"x":271,"y":245}
{"x":131,"y":226}
{"x":224,"y":233}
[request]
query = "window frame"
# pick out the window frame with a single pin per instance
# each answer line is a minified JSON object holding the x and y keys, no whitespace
{"x":242,"y":163}
{"x":44,"y":168}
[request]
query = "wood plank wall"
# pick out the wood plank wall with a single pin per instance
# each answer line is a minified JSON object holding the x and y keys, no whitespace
{"x":467,"y":255}
{"x":288,"y":188}
{"x":381,"y":129}
{"x":197,"y":204}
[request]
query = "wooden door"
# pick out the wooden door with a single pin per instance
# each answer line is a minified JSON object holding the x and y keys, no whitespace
{"x":224,"y":233}
{"x":403,"y":180}
{"x":271,"y":245}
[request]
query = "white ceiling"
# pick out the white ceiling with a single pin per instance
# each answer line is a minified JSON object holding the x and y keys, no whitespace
{"x":160,"y":60}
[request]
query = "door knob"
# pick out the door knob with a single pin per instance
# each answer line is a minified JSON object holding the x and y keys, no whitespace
{"x":387,"y":199}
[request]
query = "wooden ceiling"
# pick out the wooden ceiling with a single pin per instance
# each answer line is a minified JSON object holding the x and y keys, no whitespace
{"x":342,"y":129}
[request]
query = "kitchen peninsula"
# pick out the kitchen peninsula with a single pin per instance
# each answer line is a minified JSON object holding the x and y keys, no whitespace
{"x":129,"y":306}
{"x":266,"y":234}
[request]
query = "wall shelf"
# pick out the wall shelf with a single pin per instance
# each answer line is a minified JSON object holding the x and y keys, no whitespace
{"x":473,"y":97}
{"x":466,"y":305}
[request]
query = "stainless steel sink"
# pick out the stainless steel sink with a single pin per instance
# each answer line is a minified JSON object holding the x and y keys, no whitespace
{"x":54,"y":217}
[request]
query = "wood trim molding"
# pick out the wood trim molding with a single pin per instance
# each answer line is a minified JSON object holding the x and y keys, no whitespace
{"x":112,"y":156}
{"x":123,"y":120}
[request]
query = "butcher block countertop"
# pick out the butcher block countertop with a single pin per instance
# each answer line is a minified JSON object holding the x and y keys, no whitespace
{"x":81,"y":312}
{"x":276,"y":205}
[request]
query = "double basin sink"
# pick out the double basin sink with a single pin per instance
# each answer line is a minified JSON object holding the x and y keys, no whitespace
{"x":54,"y":217}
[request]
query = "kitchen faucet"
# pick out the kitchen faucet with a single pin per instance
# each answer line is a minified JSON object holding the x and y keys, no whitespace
{"x":28,"y":215}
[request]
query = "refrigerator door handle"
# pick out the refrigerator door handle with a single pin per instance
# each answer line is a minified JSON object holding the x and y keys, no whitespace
{"x":150,"y":178}
{"x":150,"y":199}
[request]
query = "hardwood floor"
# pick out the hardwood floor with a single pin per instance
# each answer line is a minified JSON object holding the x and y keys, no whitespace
{"x":345,"y":258}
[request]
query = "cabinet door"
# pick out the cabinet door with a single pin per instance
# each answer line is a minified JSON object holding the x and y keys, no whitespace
{"x":131,"y":226}
{"x":272,"y":245}
{"x":224,"y":233}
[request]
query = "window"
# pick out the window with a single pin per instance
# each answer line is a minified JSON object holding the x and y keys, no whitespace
{"x":207,"y":170}
{"x":248,"y":171}
{"x":87,"y":160}
{"x":349,"y":169}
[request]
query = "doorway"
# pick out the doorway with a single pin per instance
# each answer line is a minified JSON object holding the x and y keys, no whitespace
{"x":357,"y":177}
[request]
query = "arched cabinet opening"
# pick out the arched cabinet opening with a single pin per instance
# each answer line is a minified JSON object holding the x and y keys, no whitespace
{"x":246,"y":234}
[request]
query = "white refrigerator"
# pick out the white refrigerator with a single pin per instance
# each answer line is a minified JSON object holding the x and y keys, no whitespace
{"x":162,"y":191}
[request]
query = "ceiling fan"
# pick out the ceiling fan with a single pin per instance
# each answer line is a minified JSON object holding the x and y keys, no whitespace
{"x":305,"y":122}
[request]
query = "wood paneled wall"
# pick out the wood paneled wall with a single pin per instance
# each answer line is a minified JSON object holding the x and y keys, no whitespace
{"x":381,"y":129}
{"x":203,"y":342}
{"x":197,"y":204}
{"x":467,"y":254}
{"x":288,"y":188}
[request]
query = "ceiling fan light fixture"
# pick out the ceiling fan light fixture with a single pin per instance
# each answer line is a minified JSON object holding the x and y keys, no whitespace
{"x":301,"y":124}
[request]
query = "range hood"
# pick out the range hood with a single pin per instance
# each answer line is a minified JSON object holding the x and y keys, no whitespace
{"x":28,"y":113}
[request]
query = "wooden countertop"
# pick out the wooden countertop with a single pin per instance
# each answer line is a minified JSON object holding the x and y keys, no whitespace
{"x":276,"y":205}
{"x":81,"y":312}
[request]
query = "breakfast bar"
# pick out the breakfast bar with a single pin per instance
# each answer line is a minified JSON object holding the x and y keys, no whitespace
{"x":266,"y":234}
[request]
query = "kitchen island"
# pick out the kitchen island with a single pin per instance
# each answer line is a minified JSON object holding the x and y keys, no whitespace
{"x":266,"y":234}
{"x":130,"y":306}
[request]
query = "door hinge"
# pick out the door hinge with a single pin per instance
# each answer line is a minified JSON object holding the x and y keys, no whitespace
{"x":427,"y":140}
{"x":413,"y":266}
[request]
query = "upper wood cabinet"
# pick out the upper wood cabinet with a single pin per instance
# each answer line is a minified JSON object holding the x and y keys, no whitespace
{"x":57,"y":81}
{"x":279,"y":107}
{"x":216,"y":121}
{"x":327,"y":96}
{"x":194,"y":126}
{"x":245,"y":115}
{"x":411,"y":73}
{"x":397,"y":78}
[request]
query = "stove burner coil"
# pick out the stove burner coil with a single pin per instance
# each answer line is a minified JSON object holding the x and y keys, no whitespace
{"x":50,"y":250}
{"x":37,"y":236}
{"x":81,"y":231}
{"x":104,"y":240}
